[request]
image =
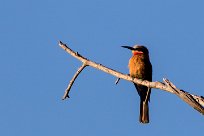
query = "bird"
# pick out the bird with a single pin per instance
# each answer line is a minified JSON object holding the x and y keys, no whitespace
{"x":140,"y":67}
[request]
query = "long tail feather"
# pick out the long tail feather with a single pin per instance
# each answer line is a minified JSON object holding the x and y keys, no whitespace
{"x":144,"y":112}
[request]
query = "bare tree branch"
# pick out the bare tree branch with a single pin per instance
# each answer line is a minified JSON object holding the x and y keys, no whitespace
{"x":185,"y":96}
{"x":197,"y":102}
{"x":66,"y":93}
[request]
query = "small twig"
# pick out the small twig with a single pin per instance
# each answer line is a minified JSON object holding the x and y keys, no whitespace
{"x":197,"y":102}
{"x":117,"y":80}
{"x":66,"y":93}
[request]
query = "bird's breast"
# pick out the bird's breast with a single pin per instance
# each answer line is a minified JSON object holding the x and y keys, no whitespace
{"x":137,"y":67}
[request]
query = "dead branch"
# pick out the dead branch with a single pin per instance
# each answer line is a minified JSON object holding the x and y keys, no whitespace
{"x":195,"y":101}
{"x":66,"y":93}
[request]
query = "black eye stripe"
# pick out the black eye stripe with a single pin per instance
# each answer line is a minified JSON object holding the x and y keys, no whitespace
{"x":139,"y":49}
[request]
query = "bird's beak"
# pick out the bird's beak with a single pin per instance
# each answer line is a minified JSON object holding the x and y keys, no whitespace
{"x":128,"y":47}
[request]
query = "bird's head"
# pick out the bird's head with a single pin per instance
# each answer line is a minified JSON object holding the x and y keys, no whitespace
{"x":137,"y":49}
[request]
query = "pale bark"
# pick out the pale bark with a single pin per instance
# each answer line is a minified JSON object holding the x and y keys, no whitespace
{"x":195,"y":101}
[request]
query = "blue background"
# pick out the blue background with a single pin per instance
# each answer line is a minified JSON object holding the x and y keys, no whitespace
{"x":35,"y":71}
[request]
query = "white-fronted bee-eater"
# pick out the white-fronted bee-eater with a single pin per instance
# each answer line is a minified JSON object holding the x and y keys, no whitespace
{"x":141,"y":68}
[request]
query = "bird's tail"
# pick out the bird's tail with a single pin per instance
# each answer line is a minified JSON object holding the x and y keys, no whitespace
{"x":144,"y":111}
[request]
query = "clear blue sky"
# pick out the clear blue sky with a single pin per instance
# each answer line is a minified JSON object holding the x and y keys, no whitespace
{"x":35,"y":71}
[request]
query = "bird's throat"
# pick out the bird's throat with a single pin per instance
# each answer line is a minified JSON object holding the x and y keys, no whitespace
{"x":137,"y":52}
